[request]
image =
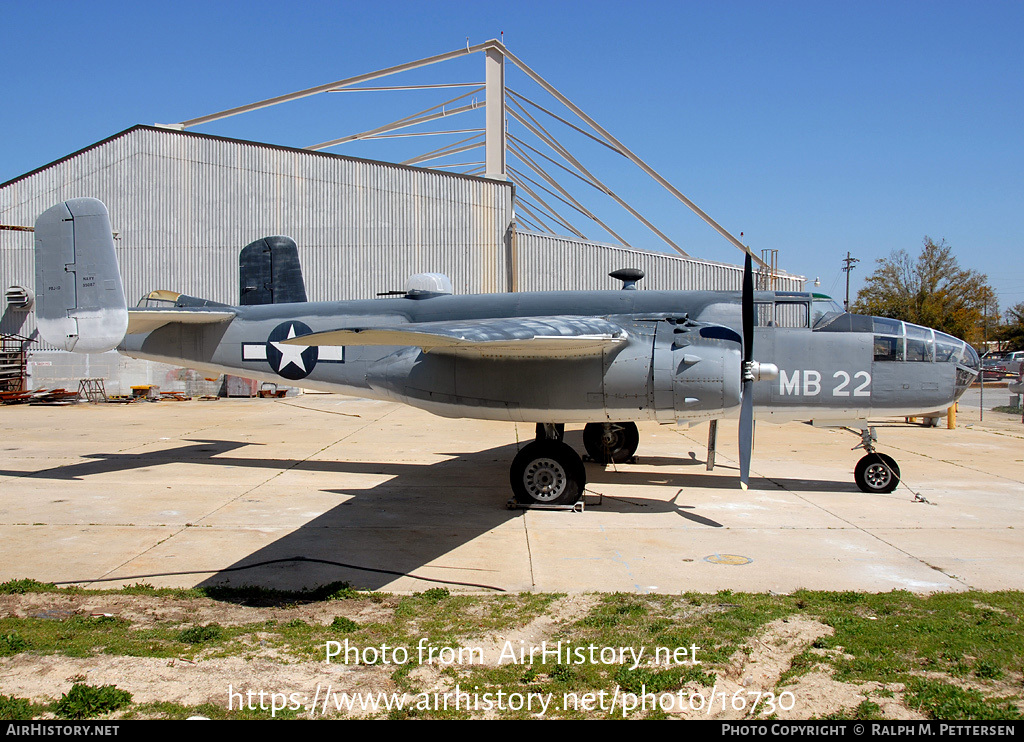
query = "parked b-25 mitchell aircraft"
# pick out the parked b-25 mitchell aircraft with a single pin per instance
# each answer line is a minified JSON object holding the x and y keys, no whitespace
{"x":605,"y":359}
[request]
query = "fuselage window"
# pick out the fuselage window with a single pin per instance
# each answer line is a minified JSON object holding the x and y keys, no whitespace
{"x":888,"y":348}
{"x":762,"y":314}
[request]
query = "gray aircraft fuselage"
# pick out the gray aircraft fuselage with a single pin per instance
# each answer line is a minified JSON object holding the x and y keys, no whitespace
{"x":669,"y":368}
{"x":603,"y":358}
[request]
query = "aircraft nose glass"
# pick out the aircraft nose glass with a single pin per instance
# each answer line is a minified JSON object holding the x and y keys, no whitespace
{"x":951,"y":349}
{"x":971,"y":359}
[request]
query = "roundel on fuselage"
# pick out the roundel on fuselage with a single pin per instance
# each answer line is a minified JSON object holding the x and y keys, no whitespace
{"x":290,"y":361}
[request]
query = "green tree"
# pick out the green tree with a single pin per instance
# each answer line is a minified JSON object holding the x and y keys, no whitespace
{"x":932,"y":290}
{"x":1012,"y":332}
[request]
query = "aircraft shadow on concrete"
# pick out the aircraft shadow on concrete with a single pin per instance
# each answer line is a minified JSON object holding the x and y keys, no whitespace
{"x":405,"y":525}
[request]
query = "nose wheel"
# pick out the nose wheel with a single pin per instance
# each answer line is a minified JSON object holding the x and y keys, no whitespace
{"x":875,"y":473}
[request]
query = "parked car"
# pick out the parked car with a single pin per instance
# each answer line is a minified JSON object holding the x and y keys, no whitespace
{"x":993,"y":367}
{"x":1014,"y":362}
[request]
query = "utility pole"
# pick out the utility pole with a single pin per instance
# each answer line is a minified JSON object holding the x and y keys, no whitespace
{"x":984,"y":348}
{"x":850,"y":262}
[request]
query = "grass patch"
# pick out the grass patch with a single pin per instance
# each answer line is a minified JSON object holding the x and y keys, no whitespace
{"x":89,"y":701}
{"x":344,"y":625}
{"x":1008,"y":409}
{"x":245,"y":595}
{"x":12,"y":643}
{"x":18,"y":709}
{"x":19,"y":587}
{"x":201,"y":634}
{"x":892,"y":636}
{"x":956,"y":654}
{"x":940,"y":700}
{"x":865,"y":710}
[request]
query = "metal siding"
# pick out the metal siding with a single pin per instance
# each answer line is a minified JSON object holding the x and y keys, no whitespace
{"x":546,"y":262}
{"x":184,"y":205}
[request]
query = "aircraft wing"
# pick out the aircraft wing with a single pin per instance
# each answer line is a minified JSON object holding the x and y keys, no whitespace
{"x":142,"y":319}
{"x":504,"y":337}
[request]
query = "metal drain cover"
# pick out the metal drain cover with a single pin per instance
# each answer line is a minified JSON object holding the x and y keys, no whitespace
{"x":733,"y":559}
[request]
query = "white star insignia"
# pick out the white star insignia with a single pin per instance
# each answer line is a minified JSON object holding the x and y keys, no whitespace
{"x":291,"y":355}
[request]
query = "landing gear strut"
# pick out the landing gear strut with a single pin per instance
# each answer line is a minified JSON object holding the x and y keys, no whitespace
{"x":550,"y":431}
{"x":875,"y":472}
{"x":611,"y":443}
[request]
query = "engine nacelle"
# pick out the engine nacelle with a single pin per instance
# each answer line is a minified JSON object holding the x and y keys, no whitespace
{"x":697,"y":371}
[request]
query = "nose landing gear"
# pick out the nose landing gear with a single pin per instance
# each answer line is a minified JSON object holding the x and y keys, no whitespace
{"x":875,"y":472}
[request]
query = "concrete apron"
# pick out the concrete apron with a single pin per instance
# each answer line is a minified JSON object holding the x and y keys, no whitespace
{"x":305,"y":491}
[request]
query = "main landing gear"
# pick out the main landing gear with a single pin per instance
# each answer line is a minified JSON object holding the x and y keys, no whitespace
{"x":875,"y":472}
{"x":548,"y":472}
{"x":611,"y":443}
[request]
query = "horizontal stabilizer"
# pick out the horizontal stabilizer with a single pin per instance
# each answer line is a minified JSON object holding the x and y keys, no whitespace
{"x":80,"y":302}
{"x":146,"y":320}
{"x":511,"y":337}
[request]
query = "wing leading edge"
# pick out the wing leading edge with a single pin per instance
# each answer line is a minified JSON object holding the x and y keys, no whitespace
{"x":506,"y":337}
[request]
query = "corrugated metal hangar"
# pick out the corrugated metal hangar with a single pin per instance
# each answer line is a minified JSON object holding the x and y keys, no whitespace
{"x":183,"y":204}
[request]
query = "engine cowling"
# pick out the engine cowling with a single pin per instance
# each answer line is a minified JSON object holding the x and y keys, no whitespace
{"x":697,"y":371}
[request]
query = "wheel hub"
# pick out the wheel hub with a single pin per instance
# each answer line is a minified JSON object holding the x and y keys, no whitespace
{"x":877,"y":475}
{"x":611,"y":438}
{"x":544,"y":479}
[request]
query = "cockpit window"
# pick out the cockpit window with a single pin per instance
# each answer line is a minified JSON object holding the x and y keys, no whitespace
{"x":791,"y":314}
{"x":948,"y":348}
{"x":160,"y":303}
{"x":763,"y":314}
{"x":887,"y":326}
{"x":160,"y":299}
{"x":920,"y":348}
{"x":780,"y":314}
{"x":823,"y":307}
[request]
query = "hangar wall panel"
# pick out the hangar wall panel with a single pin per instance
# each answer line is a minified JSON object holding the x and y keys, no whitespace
{"x":185,"y":204}
{"x":547,"y":263}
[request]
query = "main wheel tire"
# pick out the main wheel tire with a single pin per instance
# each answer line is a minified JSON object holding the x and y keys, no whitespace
{"x":547,"y":473}
{"x":611,"y":443}
{"x":877,"y":473}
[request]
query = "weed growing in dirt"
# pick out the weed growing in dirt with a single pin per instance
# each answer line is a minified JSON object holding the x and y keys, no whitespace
{"x":89,"y":701}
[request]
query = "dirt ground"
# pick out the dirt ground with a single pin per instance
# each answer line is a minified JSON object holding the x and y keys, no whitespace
{"x":757,"y":667}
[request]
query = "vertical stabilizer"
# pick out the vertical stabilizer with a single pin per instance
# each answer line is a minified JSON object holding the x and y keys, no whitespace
{"x":80,"y":303}
{"x":269,"y":272}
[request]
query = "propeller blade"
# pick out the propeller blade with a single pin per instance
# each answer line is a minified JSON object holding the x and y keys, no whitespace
{"x":746,"y":432}
{"x":748,"y":310}
{"x":747,"y":393}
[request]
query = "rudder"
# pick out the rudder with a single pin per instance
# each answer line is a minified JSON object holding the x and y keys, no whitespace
{"x":269,"y":272}
{"x":80,"y":302}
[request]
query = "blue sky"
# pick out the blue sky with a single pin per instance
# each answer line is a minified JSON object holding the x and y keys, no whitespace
{"x":815,"y":128}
